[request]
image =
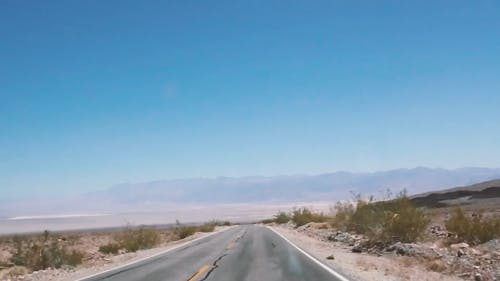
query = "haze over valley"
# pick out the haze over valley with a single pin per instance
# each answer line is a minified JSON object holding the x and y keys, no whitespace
{"x":237,"y":199}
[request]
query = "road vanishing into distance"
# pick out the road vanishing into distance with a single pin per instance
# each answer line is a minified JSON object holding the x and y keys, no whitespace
{"x":241,"y":253}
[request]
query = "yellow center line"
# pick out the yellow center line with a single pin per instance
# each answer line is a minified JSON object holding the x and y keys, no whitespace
{"x":230,"y":245}
{"x":202,"y":270}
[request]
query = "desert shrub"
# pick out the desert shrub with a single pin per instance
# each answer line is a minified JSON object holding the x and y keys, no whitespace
{"x":404,"y":222}
{"x":281,"y":218}
{"x":303,"y":216}
{"x":267,"y":221}
{"x":110,"y":248}
{"x":388,"y":221}
{"x":183,"y":231}
{"x":133,"y":240}
{"x":73,"y":257}
{"x":207,"y":227}
{"x":474,"y":229}
{"x":40,"y":253}
{"x":343,"y":214}
{"x":220,"y":223}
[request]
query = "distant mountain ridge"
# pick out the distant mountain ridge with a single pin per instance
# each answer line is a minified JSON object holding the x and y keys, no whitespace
{"x":331,"y":186}
{"x":256,"y":189}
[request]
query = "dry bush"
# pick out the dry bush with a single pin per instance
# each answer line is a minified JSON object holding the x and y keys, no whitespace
{"x":133,"y":240}
{"x":41,"y":252}
{"x":323,"y":226}
{"x":267,"y":221}
{"x":436,"y":265}
{"x":183,"y":231}
{"x":13,"y":273}
{"x":208,"y":227}
{"x":388,"y":221}
{"x":303,"y":216}
{"x":110,"y":248}
{"x":473,"y":229}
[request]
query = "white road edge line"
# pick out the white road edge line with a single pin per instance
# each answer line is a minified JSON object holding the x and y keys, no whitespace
{"x":153,"y":256}
{"x":324,"y":266}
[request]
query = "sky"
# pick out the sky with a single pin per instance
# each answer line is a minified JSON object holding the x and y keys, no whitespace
{"x":95,"y":93}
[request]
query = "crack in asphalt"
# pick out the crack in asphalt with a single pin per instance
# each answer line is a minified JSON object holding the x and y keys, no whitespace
{"x":214,"y":266}
{"x":215,"y":263}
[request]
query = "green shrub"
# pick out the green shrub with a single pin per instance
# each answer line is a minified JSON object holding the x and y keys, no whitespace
{"x":404,"y":222}
{"x":473,"y":229}
{"x":303,"y":216}
{"x":282,"y":217}
{"x":387,"y":221}
{"x":343,"y":215}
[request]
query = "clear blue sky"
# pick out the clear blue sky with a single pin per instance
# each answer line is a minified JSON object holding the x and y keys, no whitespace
{"x":94,"y":93}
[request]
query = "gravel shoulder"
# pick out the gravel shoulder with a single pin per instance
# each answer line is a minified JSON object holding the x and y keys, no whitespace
{"x":362,"y":266}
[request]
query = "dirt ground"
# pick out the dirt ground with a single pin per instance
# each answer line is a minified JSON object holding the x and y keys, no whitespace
{"x":427,"y":260}
{"x":94,"y":260}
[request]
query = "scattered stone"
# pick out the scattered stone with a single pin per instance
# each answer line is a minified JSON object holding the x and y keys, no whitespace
{"x":357,"y":249}
{"x":459,"y":246}
{"x":460,"y":253}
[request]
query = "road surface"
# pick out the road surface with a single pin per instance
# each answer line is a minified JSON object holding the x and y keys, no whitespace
{"x":243,"y":253}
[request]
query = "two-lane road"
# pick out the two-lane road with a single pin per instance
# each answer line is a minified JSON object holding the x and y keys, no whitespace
{"x":243,"y":253}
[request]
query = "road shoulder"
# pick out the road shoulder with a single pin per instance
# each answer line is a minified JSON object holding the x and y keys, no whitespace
{"x":360,"y":267}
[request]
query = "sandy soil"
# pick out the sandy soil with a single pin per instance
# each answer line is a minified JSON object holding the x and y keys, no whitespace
{"x":361,"y":267}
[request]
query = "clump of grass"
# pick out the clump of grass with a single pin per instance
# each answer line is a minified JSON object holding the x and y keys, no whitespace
{"x":142,"y":238}
{"x":110,"y":248}
{"x":41,"y":252}
{"x":304,"y":216}
{"x":473,"y":229}
{"x":435,"y":265}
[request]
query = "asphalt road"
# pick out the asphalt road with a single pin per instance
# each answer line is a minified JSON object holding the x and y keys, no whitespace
{"x":243,"y":253}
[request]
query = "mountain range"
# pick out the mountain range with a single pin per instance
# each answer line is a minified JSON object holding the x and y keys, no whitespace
{"x":329,"y":187}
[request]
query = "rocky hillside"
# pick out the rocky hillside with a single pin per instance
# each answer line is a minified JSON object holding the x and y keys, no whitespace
{"x":463,"y":195}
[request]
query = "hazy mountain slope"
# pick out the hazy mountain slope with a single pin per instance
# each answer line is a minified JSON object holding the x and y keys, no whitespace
{"x":227,"y":190}
{"x":471,"y":194}
{"x":294,"y":188}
